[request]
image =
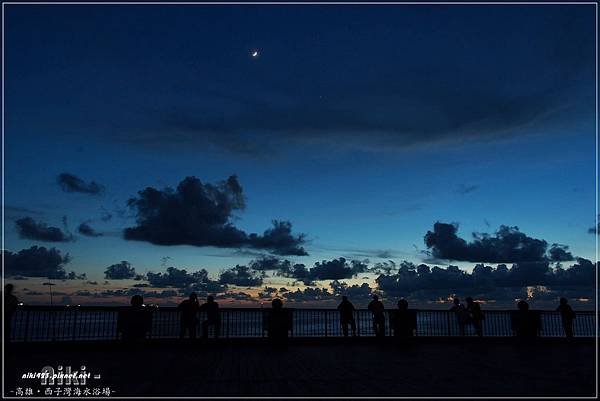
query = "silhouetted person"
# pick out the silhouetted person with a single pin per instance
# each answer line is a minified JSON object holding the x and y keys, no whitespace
{"x":404,"y":320}
{"x":347,"y":316}
{"x":462,"y":316}
{"x":213,"y":317}
{"x":279,"y":321}
{"x":135,"y":321}
{"x":189,"y":309}
{"x":377,"y":310}
{"x":524,"y":322}
{"x":10,"y":307}
{"x":567,"y":316}
{"x":476,"y":316}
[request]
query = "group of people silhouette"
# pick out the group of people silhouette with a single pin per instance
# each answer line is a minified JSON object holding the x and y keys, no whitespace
{"x":189,"y":316}
{"x":135,"y":321}
{"x":525,"y":323}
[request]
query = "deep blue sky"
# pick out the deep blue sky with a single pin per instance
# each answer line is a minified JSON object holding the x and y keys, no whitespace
{"x":362,"y":125}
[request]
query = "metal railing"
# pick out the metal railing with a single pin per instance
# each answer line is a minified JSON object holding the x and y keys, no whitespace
{"x":76,"y":323}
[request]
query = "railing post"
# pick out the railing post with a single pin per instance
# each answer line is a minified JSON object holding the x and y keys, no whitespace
{"x":448,"y":320}
{"x":26,"y":335}
{"x":74,"y":324}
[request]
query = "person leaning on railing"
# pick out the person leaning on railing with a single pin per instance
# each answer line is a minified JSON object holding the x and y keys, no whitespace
{"x":404,"y":320}
{"x":347,"y":309}
{"x":462,"y":316}
{"x":213,"y":316}
{"x":278,"y":321}
{"x":135,"y":321}
{"x":526,"y":323}
{"x":476,"y":316}
{"x":377,"y":310}
{"x":566,"y":316}
{"x":188,"y":311}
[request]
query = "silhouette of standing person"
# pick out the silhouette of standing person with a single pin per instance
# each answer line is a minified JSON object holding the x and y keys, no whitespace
{"x":347,"y":316}
{"x":476,"y":316}
{"x":189,"y":309}
{"x":404,"y":320}
{"x":10,"y":307}
{"x":377,"y":310}
{"x":462,"y":316}
{"x":135,"y":321}
{"x":279,"y":321}
{"x":524,"y":322}
{"x":213,"y":317}
{"x":567,"y":316}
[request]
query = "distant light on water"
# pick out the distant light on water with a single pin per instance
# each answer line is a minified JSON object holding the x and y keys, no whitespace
{"x":530,"y":293}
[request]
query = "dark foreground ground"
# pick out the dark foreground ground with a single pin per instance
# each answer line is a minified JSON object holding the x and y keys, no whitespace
{"x":425,"y":367}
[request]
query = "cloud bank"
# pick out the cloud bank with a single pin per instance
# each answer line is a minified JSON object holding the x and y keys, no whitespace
{"x":410,"y":277}
{"x":201,"y":215}
{"x":88,"y":231}
{"x":508,"y":244}
{"x":28,"y":228}
{"x":38,"y":262}
{"x":72,"y":183}
{"x":121,"y":271}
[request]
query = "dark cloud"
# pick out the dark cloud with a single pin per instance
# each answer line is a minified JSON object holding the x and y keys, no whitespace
{"x":560,"y":253}
{"x":242,"y":276}
{"x":236,"y":296}
{"x":88,"y":231}
{"x":365,"y":253}
{"x":298,"y":272}
{"x":75,"y":276}
{"x":354,"y":292}
{"x":28,"y":228}
{"x":186,"y":282}
{"x":71,"y":183}
{"x":507,"y":245}
{"x":268,"y":293}
{"x":201,"y":215}
{"x":38,"y":262}
{"x":582,"y":273}
{"x":411,"y":278}
{"x":307,"y":294}
{"x":384,"y":267}
{"x":279,"y":240}
{"x":121,"y":271}
{"x":266,"y":263}
{"x":335,"y":269}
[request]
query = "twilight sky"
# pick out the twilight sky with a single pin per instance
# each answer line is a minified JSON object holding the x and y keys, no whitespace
{"x":362,"y":126}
